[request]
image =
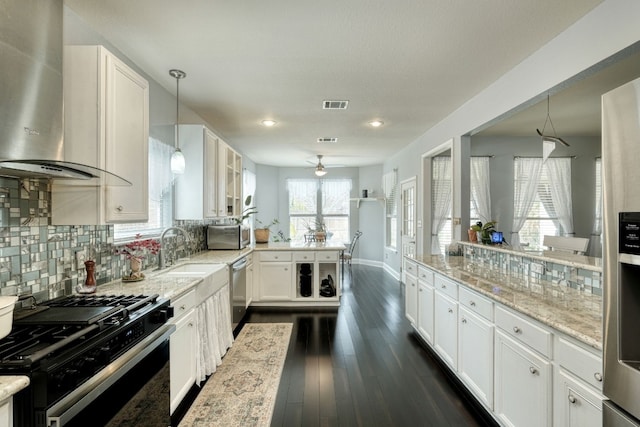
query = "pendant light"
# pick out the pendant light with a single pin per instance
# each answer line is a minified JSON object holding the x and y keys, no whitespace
{"x":177,"y":158}
{"x":548,"y":141}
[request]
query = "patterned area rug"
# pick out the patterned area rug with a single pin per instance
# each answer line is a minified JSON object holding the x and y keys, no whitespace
{"x":242,"y":391}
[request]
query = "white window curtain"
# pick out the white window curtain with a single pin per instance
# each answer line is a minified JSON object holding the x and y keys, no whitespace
{"x":526,"y":178}
{"x":248,"y":189}
{"x":559,"y":174}
{"x":441,"y":198}
{"x":595,"y":242}
{"x":335,"y":196}
{"x":481,"y":188}
{"x":303,"y":196}
{"x":389,"y":185}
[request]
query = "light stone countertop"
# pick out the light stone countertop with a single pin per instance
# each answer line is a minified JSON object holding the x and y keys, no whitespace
{"x":570,"y":311}
{"x":11,"y":384}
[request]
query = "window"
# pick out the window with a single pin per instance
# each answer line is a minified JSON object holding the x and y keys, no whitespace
{"x":323,"y":201}
{"x":160,"y":195}
{"x":248,"y":189}
{"x":549,"y":212}
{"x":389,"y":183}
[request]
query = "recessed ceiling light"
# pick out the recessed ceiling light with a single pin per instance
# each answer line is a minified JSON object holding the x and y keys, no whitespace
{"x":268,"y":123}
{"x":376,"y":123}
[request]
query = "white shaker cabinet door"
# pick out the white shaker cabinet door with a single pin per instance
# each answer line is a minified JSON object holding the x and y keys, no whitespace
{"x":522,"y":385}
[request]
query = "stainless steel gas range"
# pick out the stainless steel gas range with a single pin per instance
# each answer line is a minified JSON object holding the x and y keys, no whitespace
{"x":87,"y":358}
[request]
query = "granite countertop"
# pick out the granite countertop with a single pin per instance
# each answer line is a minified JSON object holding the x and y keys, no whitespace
{"x":11,"y":384}
{"x":570,"y":311}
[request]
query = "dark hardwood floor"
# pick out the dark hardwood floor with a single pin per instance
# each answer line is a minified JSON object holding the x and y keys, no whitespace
{"x":361,"y":365}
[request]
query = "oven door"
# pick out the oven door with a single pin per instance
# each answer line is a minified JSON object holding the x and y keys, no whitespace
{"x":132,"y":390}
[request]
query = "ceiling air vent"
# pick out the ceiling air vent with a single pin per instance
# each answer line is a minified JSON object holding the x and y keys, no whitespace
{"x":335,"y":105}
{"x":327,"y":140}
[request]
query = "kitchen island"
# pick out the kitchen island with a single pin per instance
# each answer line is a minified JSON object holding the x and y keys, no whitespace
{"x":521,"y":331}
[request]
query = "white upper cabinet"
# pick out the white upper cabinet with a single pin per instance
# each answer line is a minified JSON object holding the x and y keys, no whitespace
{"x":230,"y":201}
{"x":106,"y":111}
{"x":196,"y":192}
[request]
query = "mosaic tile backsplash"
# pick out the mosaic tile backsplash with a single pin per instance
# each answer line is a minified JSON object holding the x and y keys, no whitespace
{"x":521,"y":266}
{"x":40,"y":259}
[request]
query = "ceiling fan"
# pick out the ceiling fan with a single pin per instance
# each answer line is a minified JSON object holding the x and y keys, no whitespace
{"x":320,"y":169}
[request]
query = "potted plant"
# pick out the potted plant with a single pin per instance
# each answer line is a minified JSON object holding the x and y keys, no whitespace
{"x":262,"y":230}
{"x":484,"y":231}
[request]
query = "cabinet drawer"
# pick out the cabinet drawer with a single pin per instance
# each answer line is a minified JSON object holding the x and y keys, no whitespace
{"x":446,"y":286}
{"x":583,"y":363}
{"x":410,"y":267}
{"x":275,"y":256}
{"x":476,"y":303}
{"x":330,"y":256}
{"x":425,"y":275}
{"x":183,"y":304}
{"x":305,"y":256}
{"x":524,"y":330}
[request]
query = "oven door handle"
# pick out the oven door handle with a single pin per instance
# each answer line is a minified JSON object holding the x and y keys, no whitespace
{"x":69,"y":406}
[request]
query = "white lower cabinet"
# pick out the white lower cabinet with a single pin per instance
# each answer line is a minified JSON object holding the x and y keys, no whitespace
{"x":522,"y":384}
{"x":6,"y":412}
{"x":411,"y":299}
{"x":426,"y":300}
{"x":446,"y":328}
{"x":475,"y":354}
{"x":182,"y":348}
{"x":575,"y":404}
{"x":276,"y":281}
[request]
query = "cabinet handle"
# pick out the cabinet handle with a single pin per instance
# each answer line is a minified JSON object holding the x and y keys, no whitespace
{"x":472,"y":303}
{"x":420,"y":289}
{"x":533,"y":370}
{"x":572,"y":399}
{"x":182,"y":307}
{"x":286,"y":269}
{"x":443,"y":286}
{"x":598,"y":377}
{"x":190,"y":324}
{"x":450,"y":310}
{"x":517,"y":330}
{"x":120,"y":208}
{"x":464,"y":320}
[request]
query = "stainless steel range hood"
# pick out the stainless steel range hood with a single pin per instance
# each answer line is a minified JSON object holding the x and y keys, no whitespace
{"x":31,"y":96}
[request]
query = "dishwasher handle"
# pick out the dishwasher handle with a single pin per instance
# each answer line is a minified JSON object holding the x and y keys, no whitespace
{"x":239,"y":265}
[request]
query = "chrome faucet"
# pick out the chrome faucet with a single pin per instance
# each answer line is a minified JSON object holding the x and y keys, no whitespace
{"x":161,"y":256}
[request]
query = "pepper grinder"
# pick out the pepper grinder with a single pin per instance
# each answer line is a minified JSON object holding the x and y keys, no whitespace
{"x":89,"y":286}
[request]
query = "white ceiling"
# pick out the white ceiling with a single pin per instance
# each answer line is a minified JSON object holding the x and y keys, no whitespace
{"x":408,"y":63}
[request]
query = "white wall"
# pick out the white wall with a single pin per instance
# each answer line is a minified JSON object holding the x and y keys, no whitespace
{"x":606,"y":30}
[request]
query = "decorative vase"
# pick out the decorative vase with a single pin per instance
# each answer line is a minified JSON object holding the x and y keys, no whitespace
{"x":136,"y":267}
{"x":473,"y":237}
{"x":89,"y":286}
{"x":321,"y":236}
{"x":262,"y":235}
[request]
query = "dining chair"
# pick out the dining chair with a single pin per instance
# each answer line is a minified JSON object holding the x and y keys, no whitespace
{"x":347,"y":254}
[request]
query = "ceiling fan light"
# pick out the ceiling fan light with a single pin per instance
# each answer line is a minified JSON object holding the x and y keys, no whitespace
{"x":268,"y":123}
{"x":178,"y":163}
{"x":320,"y":171}
{"x":376,"y":123}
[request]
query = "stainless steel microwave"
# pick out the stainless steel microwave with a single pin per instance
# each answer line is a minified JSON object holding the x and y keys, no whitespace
{"x":227,"y":237}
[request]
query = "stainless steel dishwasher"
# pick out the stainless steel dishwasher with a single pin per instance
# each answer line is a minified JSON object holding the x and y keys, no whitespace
{"x":238,"y":291}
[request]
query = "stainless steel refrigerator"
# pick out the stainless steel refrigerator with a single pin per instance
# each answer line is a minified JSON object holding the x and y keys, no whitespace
{"x":621,"y":254}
